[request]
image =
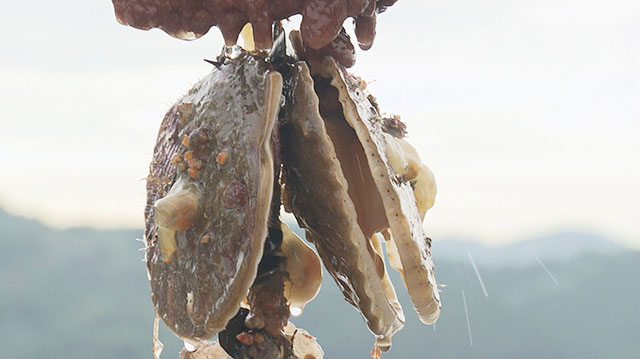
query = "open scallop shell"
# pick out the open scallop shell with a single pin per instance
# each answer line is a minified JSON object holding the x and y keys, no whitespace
{"x":318,"y":193}
{"x":343,"y":189}
{"x":396,"y":193}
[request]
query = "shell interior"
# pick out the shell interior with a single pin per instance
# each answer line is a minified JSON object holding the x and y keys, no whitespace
{"x":397,"y":194}
{"x":343,"y":188}
{"x":319,"y":195}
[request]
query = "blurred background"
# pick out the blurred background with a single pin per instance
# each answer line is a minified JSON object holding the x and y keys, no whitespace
{"x":527,"y":112}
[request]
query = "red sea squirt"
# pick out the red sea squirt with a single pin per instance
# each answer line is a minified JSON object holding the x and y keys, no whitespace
{"x":322,"y":20}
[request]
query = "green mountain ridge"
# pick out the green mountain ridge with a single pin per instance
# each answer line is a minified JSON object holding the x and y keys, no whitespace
{"x":82,"y":293}
{"x":557,"y":246}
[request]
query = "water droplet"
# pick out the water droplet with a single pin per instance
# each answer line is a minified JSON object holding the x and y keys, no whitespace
{"x":157,"y":344}
{"x":545,"y":268}
{"x":475,"y":268}
{"x":190,"y":346}
{"x":466,"y":314}
{"x":295,"y":311}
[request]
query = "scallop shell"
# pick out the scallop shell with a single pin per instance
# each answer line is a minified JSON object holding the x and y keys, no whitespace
{"x":209,"y":194}
{"x":397,"y":194}
{"x":319,"y":197}
{"x":343,"y":190}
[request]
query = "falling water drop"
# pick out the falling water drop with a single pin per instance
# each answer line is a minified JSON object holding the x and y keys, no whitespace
{"x":466,"y":314}
{"x":455,"y":266}
{"x":545,"y":268}
{"x":157,"y":344}
{"x":190,"y":346}
{"x":295,"y":311}
{"x":475,"y":268}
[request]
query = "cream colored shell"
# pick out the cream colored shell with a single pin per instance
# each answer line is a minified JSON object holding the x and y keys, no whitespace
{"x":304,"y":269}
{"x":414,"y":248}
{"x":317,"y":193}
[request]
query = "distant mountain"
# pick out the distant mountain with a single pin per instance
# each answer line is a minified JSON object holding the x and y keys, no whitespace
{"x":561,"y":246}
{"x":83,"y":293}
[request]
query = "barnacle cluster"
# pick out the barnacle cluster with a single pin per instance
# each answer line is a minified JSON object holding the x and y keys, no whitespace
{"x":274,"y":130}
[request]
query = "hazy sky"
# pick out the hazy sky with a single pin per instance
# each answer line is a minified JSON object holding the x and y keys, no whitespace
{"x":528,"y":112}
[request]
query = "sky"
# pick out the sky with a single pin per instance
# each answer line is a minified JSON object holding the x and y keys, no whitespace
{"x":527,"y":112}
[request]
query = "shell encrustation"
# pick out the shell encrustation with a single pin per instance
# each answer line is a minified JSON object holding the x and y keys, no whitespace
{"x":347,"y":180}
{"x":208,"y":196}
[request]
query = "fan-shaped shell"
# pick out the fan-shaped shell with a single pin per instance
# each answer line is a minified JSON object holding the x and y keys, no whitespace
{"x":209,"y":193}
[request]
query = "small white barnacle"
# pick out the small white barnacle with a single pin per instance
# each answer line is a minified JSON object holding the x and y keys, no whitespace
{"x":190,"y":303}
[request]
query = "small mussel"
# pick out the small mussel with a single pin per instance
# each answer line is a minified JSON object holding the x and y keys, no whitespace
{"x":263,"y":130}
